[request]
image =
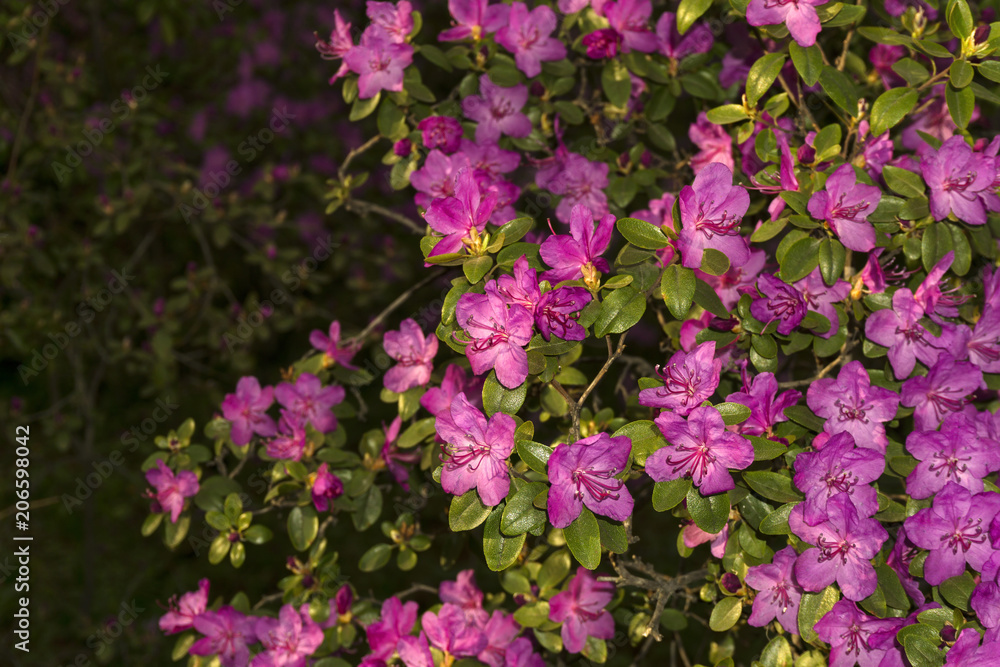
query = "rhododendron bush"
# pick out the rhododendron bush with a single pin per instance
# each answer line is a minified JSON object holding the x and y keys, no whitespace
{"x":713,"y":374}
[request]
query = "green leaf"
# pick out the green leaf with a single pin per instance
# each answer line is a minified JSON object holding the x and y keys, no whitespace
{"x":777,"y":653}
{"x":959,"y":18}
{"x":467,"y":511}
{"x":762,"y":76}
{"x":535,"y":455}
{"x":554,"y":570}
{"x":533,"y":614}
{"x":800,"y":259}
{"x":375,"y":558}
{"x":920,"y":651}
{"x":642,"y":234}
{"x":903,"y":181}
{"x":614,"y":538}
{"x":174,"y":533}
{"x":963,"y":251}
{"x":725,"y":614}
{"x":808,"y":62}
{"x":733,"y":413}
{"x":912,"y":72}
{"x":766,"y":450}
{"x":957,"y":590}
{"x":500,"y":551}
{"x":368,"y":508}
{"x":892,"y":589}
{"x":769,"y":229}
{"x":960,"y":73}
{"x":667,"y":495}
{"x":391,"y":121}
{"x":257,"y":534}
{"x":497,"y":398}
{"x":711,"y":513}
{"x":520,"y":514}
{"x":935,"y":244}
{"x":772,"y":485}
{"x":690,"y":11}
{"x":714,"y":262}
{"x":677,"y":286}
{"x":515,"y":230}
{"x":151,"y":523}
{"x":616,"y":83}
{"x":832,"y":257}
{"x":303,"y":526}
{"x":813,"y":607}
{"x":776,"y":523}
{"x":620,"y":311}
{"x":990,"y":69}
{"x":892,"y":106}
{"x":477,"y":267}
{"x":364,"y":108}
{"x":645,"y":436}
{"x":706,"y":297}
{"x":727,"y":113}
{"x":583,"y":537}
{"x":841,"y":90}
{"x":961,"y":103}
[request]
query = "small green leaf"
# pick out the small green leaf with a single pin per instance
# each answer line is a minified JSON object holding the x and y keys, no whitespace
{"x":832,"y":257}
{"x":364,"y":108}
{"x":960,"y":73}
{"x":808,"y":62}
{"x":218,"y":549}
{"x":677,"y":286}
{"x":467,"y":511}
{"x":766,"y":450}
{"x":772,"y":486}
{"x":776,"y":523}
{"x":515,"y":230}
{"x":813,"y":607}
{"x":667,"y":495}
{"x":645,"y":436}
{"x":725,"y":614}
{"x":257,"y":534}
{"x":620,"y":310}
{"x":733,"y":413}
{"x":961,"y":103}
{"x":519,"y":514}
{"x":477,"y":267}
{"x":706,"y":297}
{"x":375,"y":558}
{"x":642,"y":234}
{"x":937,"y":241}
{"x":957,"y":590}
{"x":903,"y":181}
{"x":690,"y":11}
{"x":583,"y":537}
{"x":497,"y":398}
{"x":711,"y":513}
{"x":841,"y":90}
{"x":500,"y":551}
{"x":892,"y":106}
{"x":727,"y":113}
{"x":800,"y":259}
{"x":535,"y":455}
{"x":303,"y":526}
{"x":762,"y":76}
{"x":616,"y":83}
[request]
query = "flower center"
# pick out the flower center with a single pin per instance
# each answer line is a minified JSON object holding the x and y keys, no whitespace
{"x":836,"y":547}
{"x":781,"y":595}
{"x":949,"y":464}
{"x":724,"y":225}
{"x":680,"y":382}
{"x":843,"y":481}
{"x":696,"y":459}
{"x":470,"y":455}
{"x":853,"y":411}
{"x":600,"y":484}
{"x":842,"y":212}
{"x":959,"y":184}
{"x":964,"y":536}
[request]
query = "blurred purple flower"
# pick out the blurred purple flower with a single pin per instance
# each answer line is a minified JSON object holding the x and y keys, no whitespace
{"x":246,"y":409}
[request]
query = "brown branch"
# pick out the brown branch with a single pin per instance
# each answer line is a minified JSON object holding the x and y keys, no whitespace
{"x":364,"y":207}
{"x":355,"y":152}
{"x":394,"y":305}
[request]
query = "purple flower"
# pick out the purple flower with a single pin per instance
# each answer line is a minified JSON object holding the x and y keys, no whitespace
{"x":799,"y":16}
{"x":461,"y":218}
{"x":289,"y":639}
{"x":845,"y":544}
{"x":499,"y":631}
{"x":984,"y":342}
{"x":954,"y":530}
{"x":778,"y":595}
{"x":227,"y":633}
{"x":490,"y":160}
{"x":379,"y":61}
{"x":499,"y":334}
{"x":714,"y":143}
{"x":395,"y":623}
{"x":393,"y":457}
{"x":528,"y":35}
{"x":497,"y":110}
{"x":553,"y":311}
{"x":820,"y":297}
{"x":291,"y":441}
{"x":333,"y":352}
{"x":780,"y":302}
{"x":850,"y":403}
{"x":415,"y":354}
{"x":437,"y":400}
{"x":712,"y":209}
{"x":181,"y":614}
{"x":520,"y":653}
{"x":693,"y":536}
{"x":899,"y":329}
{"x":849,"y":632}
{"x":442,"y":132}
{"x":477,"y":451}
{"x":396,"y":18}
{"x":324,"y":486}
{"x":580,"y":181}
{"x":579,"y":254}
{"x":689,"y":379}
{"x":171,"y":490}
{"x":839,"y":467}
{"x":954,"y":454}
{"x":415,"y":651}
{"x":846,"y":205}
{"x":931,"y":297}
{"x":767,"y":408}
{"x":630,"y":19}
{"x":339,"y":44}
{"x":602,"y":43}
{"x":475,"y":18}
{"x":581,"y":610}
{"x":584,"y":474}
{"x":246,"y":409}
{"x":956,"y":176}
{"x":464,"y":593}
{"x":985,"y":600}
{"x":672,"y":44}
{"x":437,"y":178}
{"x":447,"y":631}
{"x":309,"y":401}
{"x":945,"y":389}
{"x":899,"y":559}
{"x":700,"y":448}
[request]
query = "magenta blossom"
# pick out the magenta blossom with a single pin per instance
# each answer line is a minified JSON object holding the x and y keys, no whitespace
{"x":820,"y":297}
{"x":944,"y":390}
{"x":846,"y":205}
{"x":581,"y":610}
{"x":839,"y":467}
{"x":497,"y":333}
{"x":528,"y":35}
{"x":333,"y":352}
{"x":324,"y":486}
{"x":712,"y":209}
{"x":956,"y":176}
{"x":778,"y":595}
{"x":339,"y":44}
{"x":476,"y":451}
{"x":499,"y":631}
{"x":393,"y":457}
{"x":578,"y":255}
{"x":851,"y":404}
{"x":630,"y":19}
{"x":437,"y":400}
{"x":291,"y":441}
{"x":394,"y":624}
{"x":767,"y":407}
{"x":461,"y":218}
{"x":602,"y":44}
{"x":693,"y":536}
{"x":850,"y":633}
{"x":584,"y":474}
{"x":447,"y":631}
{"x":699,"y":448}
{"x":415,"y":354}
{"x":442,"y":132}
{"x":780,"y":302}
{"x":288,"y":640}
{"x":580,"y":181}
{"x":464,"y":593}
{"x":689,"y":379}
{"x":556,"y":311}
{"x":672,"y":44}
{"x":497,"y":111}
{"x":171,"y":489}
{"x":475,"y":19}
{"x":800,"y":17}
{"x":714,"y":143}
{"x":955,"y":454}
{"x":227,"y":634}
{"x":899,"y":329}
{"x":247,"y":410}
{"x":379,"y":61}
{"x":309,"y":401}
{"x":396,"y":18}
{"x":437,"y":179}
{"x":181,"y":614}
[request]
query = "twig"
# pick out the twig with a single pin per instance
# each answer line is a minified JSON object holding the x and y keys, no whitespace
{"x":845,"y":348}
{"x":342,"y":172}
{"x":847,"y":45}
{"x":417,"y":588}
{"x":576,"y":407}
{"x":363,"y":207}
{"x":394,"y":305}
{"x":29,"y":106}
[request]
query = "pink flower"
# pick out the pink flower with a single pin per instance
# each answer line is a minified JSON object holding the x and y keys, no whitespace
{"x":798,"y":15}
{"x":527,"y":35}
{"x":180,"y":615}
{"x":379,"y":62}
{"x":227,"y":633}
{"x":497,"y":111}
{"x":289,"y":639}
{"x":324,"y":486}
{"x":333,"y":352}
{"x":171,"y":490}
{"x":246,"y":409}
{"x":715,"y":143}
{"x":474,"y":18}
{"x":442,"y":132}
{"x":415,"y":354}
{"x":310,"y":401}
{"x":630,"y":19}
{"x":396,"y":18}
{"x":581,"y":610}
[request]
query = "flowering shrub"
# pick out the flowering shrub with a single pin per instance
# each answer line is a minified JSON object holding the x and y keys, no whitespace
{"x":820,"y":280}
